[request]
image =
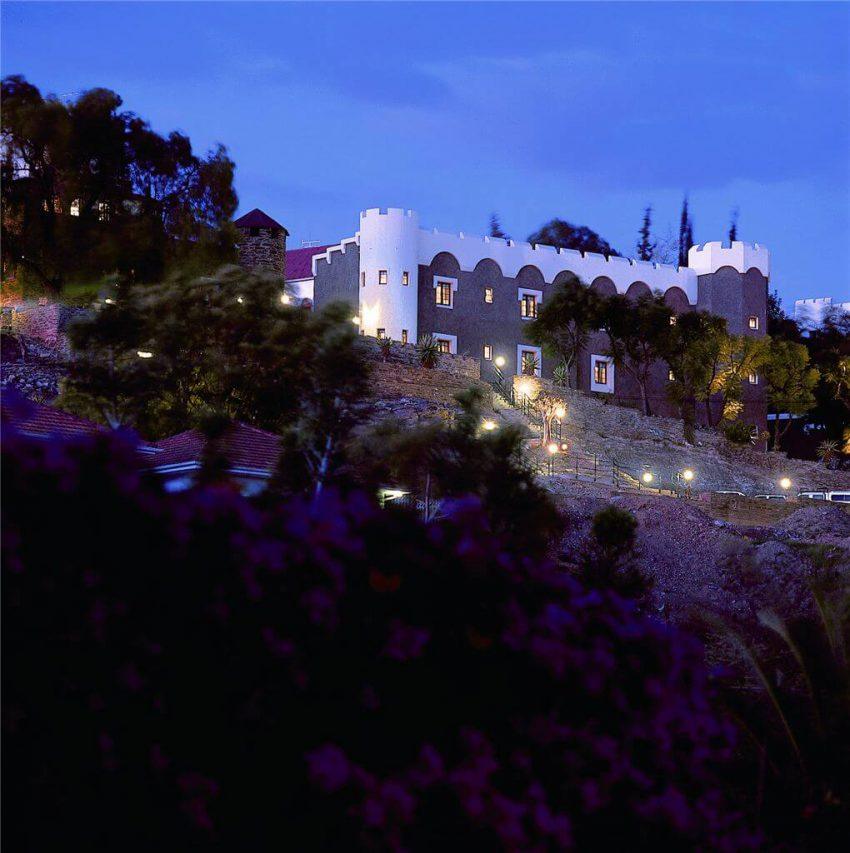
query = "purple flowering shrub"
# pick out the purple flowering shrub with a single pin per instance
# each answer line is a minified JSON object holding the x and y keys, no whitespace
{"x":193,"y":671}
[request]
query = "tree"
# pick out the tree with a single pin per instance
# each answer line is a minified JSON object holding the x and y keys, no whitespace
{"x":646,"y":246}
{"x":441,"y":462}
{"x":684,"y":351}
{"x":637,"y":335}
{"x":89,"y":189}
{"x":564,"y":322}
{"x":790,"y":383}
{"x":733,"y":225}
{"x":686,"y":233}
{"x":161,"y":358}
{"x":496,"y":228}
{"x":727,"y":361}
{"x":195,"y":672}
{"x":565,"y":235}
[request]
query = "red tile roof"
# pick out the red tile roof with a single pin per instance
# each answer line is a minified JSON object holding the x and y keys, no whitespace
{"x":43,"y":421}
{"x":299,"y":262}
{"x":257,"y":219}
{"x":242,"y":445}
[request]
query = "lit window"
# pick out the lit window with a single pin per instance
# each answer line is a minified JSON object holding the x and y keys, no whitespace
{"x":444,"y":293}
{"x":528,"y":306}
{"x":381,"y":333}
{"x":75,"y":207}
{"x":600,"y":372}
{"x":671,"y":376}
{"x":382,"y":276}
{"x":103,"y":211}
{"x":488,"y":352}
{"x":754,"y":379}
{"x":444,"y":345}
{"x":405,"y":278}
{"x":753,"y":322}
{"x":528,"y":365}
{"x":672,"y":320}
{"x":404,"y":336}
{"x":488,"y":294}
{"x":363,"y":279}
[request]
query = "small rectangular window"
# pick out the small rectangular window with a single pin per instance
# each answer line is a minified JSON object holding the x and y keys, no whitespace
{"x":363,"y":279}
{"x":404,"y":336}
{"x":381,"y":333}
{"x":444,"y":345}
{"x":444,"y":293}
{"x":600,"y":372}
{"x":753,"y":322}
{"x":488,"y":352}
{"x":529,"y":363}
{"x":405,"y":278}
{"x":528,"y":306}
{"x":754,"y":379}
{"x":382,"y":276}
{"x":488,"y":294}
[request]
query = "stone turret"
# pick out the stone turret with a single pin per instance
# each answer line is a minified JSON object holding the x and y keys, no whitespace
{"x":262,"y":245}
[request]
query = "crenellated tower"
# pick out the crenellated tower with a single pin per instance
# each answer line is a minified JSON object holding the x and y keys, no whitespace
{"x":389,"y":273}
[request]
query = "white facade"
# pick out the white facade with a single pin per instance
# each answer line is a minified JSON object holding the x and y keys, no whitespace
{"x":392,"y":244}
{"x":810,"y":312}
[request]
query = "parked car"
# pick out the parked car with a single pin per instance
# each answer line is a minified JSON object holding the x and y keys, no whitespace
{"x":841,"y":497}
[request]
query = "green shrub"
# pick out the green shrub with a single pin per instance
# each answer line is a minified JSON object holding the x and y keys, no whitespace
{"x":738,"y":432}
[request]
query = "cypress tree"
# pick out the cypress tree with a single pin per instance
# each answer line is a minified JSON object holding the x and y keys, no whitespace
{"x":686,"y":233}
{"x":645,"y":245}
{"x":733,"y":226}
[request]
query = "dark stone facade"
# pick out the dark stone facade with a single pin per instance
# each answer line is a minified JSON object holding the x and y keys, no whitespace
{"x":336,"y":280}
{"x":263,"y":249}
{"x":476,"y":323}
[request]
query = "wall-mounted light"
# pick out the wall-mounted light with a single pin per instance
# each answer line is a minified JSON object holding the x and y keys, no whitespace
{"x":785,"y":482}
{"x":489,"y":426}
{"x":143,"y":353}
{"x":285,"y":298}
{"x":500,"y":361}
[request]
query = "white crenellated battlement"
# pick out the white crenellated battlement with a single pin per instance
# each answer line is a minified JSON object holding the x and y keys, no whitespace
{"x":707,"y":258}
{"x":511,"y":256}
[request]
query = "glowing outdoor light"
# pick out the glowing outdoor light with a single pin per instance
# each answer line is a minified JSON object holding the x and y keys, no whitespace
{"x":560,"y":412}
{"x":525,"y":388}
{"x":284,"y":298}
{"x":489,"y":425}
{"x":239,"y":299}
{"x":109,"y":301}
{"x":500,"y":361}
{"x":785,"y":482}
{"x":143,"y":353}
{"x":553,"y":448}
{"x":355,"y":320}
{"x":687,"y":475}
{"x":647,"y":477}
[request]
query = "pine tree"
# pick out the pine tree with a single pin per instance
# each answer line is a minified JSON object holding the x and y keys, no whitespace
{"x":645,"y":245}
{"x":733,"y":226}
{"x":496,"y":227}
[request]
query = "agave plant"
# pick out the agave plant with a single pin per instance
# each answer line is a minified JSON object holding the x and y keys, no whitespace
{"x":429,"y":351}
{"x":386,"y":345}
{"x":827,"y":451}
{"x":560,"y":375}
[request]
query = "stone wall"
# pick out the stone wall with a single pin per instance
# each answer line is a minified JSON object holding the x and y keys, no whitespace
{"x":462,"y":367}
{"x":266,"y":250}
{"x":393,"y":381}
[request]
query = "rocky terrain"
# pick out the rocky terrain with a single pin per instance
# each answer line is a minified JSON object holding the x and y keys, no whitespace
{"x":704,"y":568}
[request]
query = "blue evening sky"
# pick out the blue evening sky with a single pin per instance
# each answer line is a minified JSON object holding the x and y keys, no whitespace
{"x":584,"y":111}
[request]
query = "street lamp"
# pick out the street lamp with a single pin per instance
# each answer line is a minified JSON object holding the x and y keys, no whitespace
{"x":647,"y":477}
{"x":553,"y":449}
{"x":785,"y":483}
{"x":687,"y":475}
{"x":489,"y":426}
{"x":284,"y":298}
{"x":560,"y":412}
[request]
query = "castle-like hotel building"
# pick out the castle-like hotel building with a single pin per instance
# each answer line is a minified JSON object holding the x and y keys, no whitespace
{"x":475,"y":295}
